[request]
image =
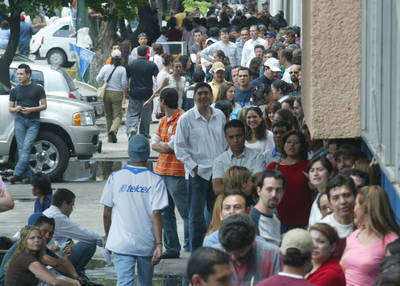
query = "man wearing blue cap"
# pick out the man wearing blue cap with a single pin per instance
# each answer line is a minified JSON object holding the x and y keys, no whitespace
{"x":135,"y":196}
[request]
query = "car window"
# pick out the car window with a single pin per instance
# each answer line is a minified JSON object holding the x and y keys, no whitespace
{"x":36,"y":77}
{"x":63,"y":32}
{"x":69,"y":79}
{"x":13,"y":75}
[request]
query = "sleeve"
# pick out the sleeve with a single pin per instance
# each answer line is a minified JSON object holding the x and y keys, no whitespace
{"x":208,"y":52}
{"x":41,"y":92}
{"x":13,"y":96}
{"x":71,"y":229}
{"x":155,"y":139}
{"x":108,"y":196}
{"x":259,"y":163}
{"x":26,"y":260}
{"x":124,"y":79}
{"x":180,"y":145}
{"x":218,"y":168}
{"x":159,"y":197}
{"x":99,"y":77}
{"x":255,"y":216}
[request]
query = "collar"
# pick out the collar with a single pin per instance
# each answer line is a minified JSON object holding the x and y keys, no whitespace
{"x":231,"y":155}
{"x":177,"y":113}
{"x":197,"y":114}
{"x":290,"y":275}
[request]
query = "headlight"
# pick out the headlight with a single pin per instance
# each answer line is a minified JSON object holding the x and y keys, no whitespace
{"x":83,"y":118}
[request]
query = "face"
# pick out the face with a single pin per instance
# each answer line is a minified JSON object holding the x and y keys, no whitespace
{"x":323,"y":250}
{"x":278,"y":132}
{"x":225,"y":37}
{"x":235,"y":138}
{"x":235,"y":76}
{"x":271,"y":193}
{"x":324,"y":206}
{"x":34,"y":241}
{"x":219,"y":76}
{"x":177,"y":68}
{"x":253,"y":33}
{"x":47,"y":232}
{"x":35,"y":191}
{"x":277,"y":116}
{"x":67,"y":208}
{"x":203,"y":97}
{"x":115,"y":47}
{"x":230,"y":93}
{"x":241,"y":255}
{"x":253,"y":120}
{"x":247,"y":188}
{"x":330,"y":150}
{"x":221,"y":277}
{"x":344,"y":163}
{"x":269,"y":74}
{"x":142,"y":41}
{"x":290,"y":39}
{"x":342,"y":201}
{"x":287,"y":106}
{"x":292,"y":146}
{"x":243,"y":77}
{"x":318,"y":175}
{"x":359,"y":215}
{"x":294,"y":73}
{"x":245,"y":35}
{"x":22,"y":76}
{"x":233,"y":205}
{"x":297,"y":109}
{"x":258,"y":52}
{"x":198,"y":36}
{"x":276,"y":93}
{"x":235,"y":34}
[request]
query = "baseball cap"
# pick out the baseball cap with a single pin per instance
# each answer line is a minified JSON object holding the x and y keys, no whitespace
{"x":299,"y":239}
{"x":218,"y":66}
{"x":210,"y":39}
{"x":273,"y":64}
{"x":138,"y":149}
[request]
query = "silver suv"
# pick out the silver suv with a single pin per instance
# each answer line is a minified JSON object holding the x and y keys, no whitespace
{"x":67,"y":129}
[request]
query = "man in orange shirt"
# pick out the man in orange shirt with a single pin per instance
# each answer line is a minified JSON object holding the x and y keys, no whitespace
{"x":173,"y":173}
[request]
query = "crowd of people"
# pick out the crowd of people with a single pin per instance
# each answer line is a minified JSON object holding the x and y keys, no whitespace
{"x":262,"y":202}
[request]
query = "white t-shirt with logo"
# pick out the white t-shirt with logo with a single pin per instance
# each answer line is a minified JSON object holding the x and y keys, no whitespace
{"x":344,"y":230}
{"x":133,"y":193}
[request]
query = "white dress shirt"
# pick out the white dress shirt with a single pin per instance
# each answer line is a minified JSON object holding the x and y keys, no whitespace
{"x":229,"y":50}
{"x":67,"y":229}
{"x":248,"y":50}
{"x":198,"y":141}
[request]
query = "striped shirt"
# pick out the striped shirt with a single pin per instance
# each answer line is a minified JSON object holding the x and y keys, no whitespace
{"x":167,"y":163}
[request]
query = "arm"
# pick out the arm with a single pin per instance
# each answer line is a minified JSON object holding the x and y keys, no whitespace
{"x":164,"y":84}
{"x":180,"y":145}
{"x":208,"y":52}
{"x":218,"y":186}
{"x":42,"y":106}
{"x":46,"y":275}
{"x":161,"y":147}
{"x":6,"y":201}
{"x":99,"y":77}
{"x":107,"y":212}
{"x":71,"y":229}
{"x":157,"y":228}
{"x":13,"y":109}
{"x":62,"y":265}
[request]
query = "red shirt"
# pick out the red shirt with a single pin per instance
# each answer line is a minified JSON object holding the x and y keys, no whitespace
{"x":328,"y":274}
{"x":295,"y":205}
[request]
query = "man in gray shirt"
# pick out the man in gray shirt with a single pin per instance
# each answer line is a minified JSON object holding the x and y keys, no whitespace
{"x":237,"y":155}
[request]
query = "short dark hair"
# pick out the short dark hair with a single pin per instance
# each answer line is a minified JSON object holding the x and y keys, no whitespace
{"x":394,"y":247}
{"x":244,"y":69}
{"x":358,"y":173}
{"x":282,"y":123}
{"x":200,"y":85}
{"x":62,"y":195}
{"x":339,"y":181}
{"x":324,"y":161}
{"x":141,"y":51}
{"x":234,"y":123}
{"x":295,"y":258}
{"x":42,"y":182}
{"x":346,"y":150}
{"x":44,"y":219}
{"x":26,"y":68}
{"x":237,"y":231}
{"x":197,"y":31}
{"x":245,"y":29}
{"x":259,"y":47}
{"x":170,"y":97}
{"x":142,"y":35}
{"x":224,"y":30}
{"x":236,"y":192}
{"x":272,"y":52}
{"x":225,"y":106}
{"x":203,"y":260}
{"x":270,"y":174}
{"x":198,"y":76}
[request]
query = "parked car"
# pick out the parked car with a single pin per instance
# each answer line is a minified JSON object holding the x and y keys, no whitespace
{"x":57,"y":81}
{"x":52,"y":42}
{"x":67,"y":129}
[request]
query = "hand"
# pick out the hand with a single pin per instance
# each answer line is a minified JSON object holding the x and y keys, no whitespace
{"x":18,"y":108}
{"x":26,"y":110}
{"x":195,"y":170}
{"x":146,"y":103}
{"x":54,"y":248}
{"x":157,"y":255}
{"x":68,"y":250}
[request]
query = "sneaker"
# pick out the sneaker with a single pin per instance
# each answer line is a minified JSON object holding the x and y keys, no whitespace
{"x":112,"y":136}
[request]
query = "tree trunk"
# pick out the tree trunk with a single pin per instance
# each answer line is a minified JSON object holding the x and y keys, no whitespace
{"x":102,"y":46}
{"x":148,"y":23}
{"x":9,"y":54}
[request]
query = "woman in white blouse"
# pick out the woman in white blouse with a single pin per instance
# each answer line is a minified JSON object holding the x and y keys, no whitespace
{"x":257,"y":135}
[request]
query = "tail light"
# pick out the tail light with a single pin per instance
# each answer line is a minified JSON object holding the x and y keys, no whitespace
{"x":71,"y":95}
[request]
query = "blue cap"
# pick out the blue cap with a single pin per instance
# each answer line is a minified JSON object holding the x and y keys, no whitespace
{"x":138,"y":149}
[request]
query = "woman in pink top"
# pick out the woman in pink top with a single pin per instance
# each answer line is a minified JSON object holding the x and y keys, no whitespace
{"x":365,"y":247}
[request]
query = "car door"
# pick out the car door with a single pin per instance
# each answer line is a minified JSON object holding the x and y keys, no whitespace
{"x":7,"y":122}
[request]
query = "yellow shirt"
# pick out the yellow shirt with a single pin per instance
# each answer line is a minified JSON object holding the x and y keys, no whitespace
{"x":179,"y":18}
{"x":215,"y":89}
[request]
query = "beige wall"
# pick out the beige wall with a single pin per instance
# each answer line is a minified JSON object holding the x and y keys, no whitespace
{"x":331,"y":70}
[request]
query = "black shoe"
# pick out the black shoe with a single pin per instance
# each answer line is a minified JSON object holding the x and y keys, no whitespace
{"x":166,"y":255}
{"x":14,"y":179}
{"x":112,"y":136}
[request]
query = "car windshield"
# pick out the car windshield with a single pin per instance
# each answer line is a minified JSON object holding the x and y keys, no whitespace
{"x":69,"y":79}
{"x":4,"y":89}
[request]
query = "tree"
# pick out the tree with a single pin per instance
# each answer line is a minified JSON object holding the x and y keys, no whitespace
{"x":14,"y":9}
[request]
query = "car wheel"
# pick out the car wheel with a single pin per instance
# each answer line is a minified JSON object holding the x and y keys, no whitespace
{"x":57,"y":57}
{"x":49,"y":155}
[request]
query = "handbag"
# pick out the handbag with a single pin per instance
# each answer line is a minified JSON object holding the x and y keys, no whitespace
{"x":101,"y":91}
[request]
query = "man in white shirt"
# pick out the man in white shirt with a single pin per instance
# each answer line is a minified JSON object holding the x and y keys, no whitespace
{"x":135,"y":197}
{"x":342,"y":194}
{"x":226,"y":46}
{"x":270,"y":186}
{"x":237,"y":155}
{"x":248,"y":48}
{"x":67,"y":230}
{"x":286,"y":60}
{"x":199,"y":139}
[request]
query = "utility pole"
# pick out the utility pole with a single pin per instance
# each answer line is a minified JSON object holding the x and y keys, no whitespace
{"x":82,"y":15}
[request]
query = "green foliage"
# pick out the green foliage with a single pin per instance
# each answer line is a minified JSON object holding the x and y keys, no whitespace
{"x":30,"y":7}
{"x":191,"y":4}
{"x":116,"y":9}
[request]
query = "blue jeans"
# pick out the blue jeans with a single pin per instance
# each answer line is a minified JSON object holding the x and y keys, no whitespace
{"x":24,"y":49}
{"x":201,"y":195}
{"x":82,"y":252}
{"x":26,"y":131}
{"x":125,"y":268}
{"x":138,"y":118}
{"x":177,"y":195}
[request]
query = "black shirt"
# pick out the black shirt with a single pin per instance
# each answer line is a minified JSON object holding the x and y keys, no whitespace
{"x":28,"y":96}
{"x":141,"y":72}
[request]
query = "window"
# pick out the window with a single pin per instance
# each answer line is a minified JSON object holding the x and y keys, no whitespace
{"x":63,"y":32}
